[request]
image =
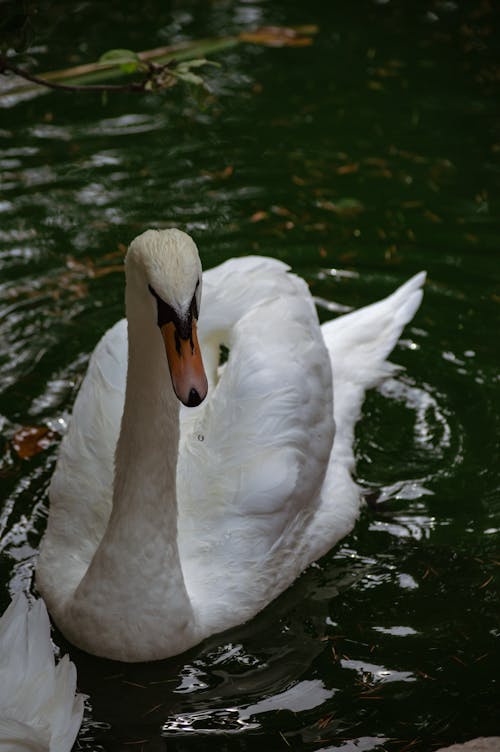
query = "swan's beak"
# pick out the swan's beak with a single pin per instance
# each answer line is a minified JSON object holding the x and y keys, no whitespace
{"x":186,"y":365}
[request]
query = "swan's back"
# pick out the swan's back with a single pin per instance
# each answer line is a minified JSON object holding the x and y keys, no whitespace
{"x":39,"y":711}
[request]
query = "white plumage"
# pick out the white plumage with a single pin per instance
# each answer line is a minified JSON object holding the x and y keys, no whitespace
{"x":39,"y":710}
{"x":145,"y":556}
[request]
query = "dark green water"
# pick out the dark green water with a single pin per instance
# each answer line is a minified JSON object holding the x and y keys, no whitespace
{"x":373,"y":152}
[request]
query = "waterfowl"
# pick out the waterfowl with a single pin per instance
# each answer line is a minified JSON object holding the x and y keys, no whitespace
{"x":169,"y":523}
{"x":39,"y":708}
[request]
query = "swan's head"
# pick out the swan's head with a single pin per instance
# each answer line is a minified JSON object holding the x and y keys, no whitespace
{"x":166,"y":266}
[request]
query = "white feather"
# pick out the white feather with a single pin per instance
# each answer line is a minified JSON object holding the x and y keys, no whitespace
{"x":39,"y":709}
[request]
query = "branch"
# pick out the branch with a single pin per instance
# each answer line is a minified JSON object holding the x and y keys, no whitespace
{"x":159,"y":69}
{"x":151,"y":80}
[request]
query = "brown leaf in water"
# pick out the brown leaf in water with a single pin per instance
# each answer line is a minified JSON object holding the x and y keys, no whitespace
{"x":343,"y":206}
{"x":258,"y":216}
{"x":220,"y":174}
{"x":280,"y":36}
{"x":104,"y":270}
{"x":121,"y":250}
{"x":87,"y":268}
{"x":471,"y":238}
{"x":75,"y":265}
{"x":348,"y":256}
{"x":347,"y":169}
{"x":281,"y":211}
{"x":376,"y":162}
{"x":432,"y":216}
{"x":327,"y":205}
{"x":31,"y":440}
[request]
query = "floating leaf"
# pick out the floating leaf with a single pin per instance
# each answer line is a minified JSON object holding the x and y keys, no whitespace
{"x":280,"y":36}
{"x":189,"y":78}
{"x":431,"y":216}
{"x":349,"y":206}
{"x":197,"y":63}
{"x":221,"y":174}
{"x":119,"y":56}
{"x":281,"y":211}
{"x":128,"y":60}
{"x":343,"y":206}
{"x":103,"y":271}
{"x":31,"y":440}
{"x":183,"y":71}
{"x":347,"y":169}
{"x":258,"y":216}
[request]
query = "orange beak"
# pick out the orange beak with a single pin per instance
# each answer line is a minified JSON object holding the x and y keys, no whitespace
{"x":186,"y":365}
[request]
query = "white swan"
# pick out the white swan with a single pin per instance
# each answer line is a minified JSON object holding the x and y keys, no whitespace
{"x":210,"y":516}
{"x":39,"y":711}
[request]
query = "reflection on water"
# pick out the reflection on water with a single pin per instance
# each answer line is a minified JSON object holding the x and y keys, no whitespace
{"x":302,"y":696}
{"x":357,"y":175}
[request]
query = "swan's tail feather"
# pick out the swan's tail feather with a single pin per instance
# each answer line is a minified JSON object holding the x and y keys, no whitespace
{"x":359,"y":344}
{"x":38,"y":706}
{"x":68,"y":705}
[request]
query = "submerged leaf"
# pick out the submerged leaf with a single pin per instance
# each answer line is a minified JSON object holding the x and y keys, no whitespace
{"x":31,"y":440}
{"x":347,"y":169}
{"x":343,"y":206}
{"x":258,"y":216}
{"x":280,"y":36}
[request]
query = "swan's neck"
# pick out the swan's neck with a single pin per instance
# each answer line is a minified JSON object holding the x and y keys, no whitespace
{"x":135,"y":581}
{"x":146,"y":456}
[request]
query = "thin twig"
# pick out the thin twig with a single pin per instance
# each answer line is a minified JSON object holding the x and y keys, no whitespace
{"x":134,"y":86}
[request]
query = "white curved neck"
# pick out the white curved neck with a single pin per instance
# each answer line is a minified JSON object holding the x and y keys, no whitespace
{"x":135,"y":580}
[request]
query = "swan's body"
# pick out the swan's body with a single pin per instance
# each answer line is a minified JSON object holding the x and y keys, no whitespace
{"x":39,"y":711}
{"x":147,"y":564}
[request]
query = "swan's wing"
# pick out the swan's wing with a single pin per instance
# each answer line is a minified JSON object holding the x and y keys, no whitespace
{"x":81,"y":488}
{"x":359,"y":344}
{"x":39,"y":709}
{"x":252,"y":460}
{"x":229,"y":292}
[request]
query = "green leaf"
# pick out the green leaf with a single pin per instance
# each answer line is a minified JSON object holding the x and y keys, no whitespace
{"x":183,"y":71}
{"x":189,"y":78}
{"x":127,"y":60}
{"x":197,"y":63}
{"x":119,"y":56}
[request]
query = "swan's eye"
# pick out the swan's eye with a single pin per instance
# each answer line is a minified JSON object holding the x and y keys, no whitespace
{"x":165,"y":312}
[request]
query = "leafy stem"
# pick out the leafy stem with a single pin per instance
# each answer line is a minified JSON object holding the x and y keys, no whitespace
{"x":155,"y":77}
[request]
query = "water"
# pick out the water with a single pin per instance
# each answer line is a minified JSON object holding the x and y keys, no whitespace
{"x":359,"y":160}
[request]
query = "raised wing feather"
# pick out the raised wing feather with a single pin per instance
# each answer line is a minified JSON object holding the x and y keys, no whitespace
{"x":39,"y":711}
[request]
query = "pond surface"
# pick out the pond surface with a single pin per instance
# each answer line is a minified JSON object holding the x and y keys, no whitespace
{"x":359,"y":160}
